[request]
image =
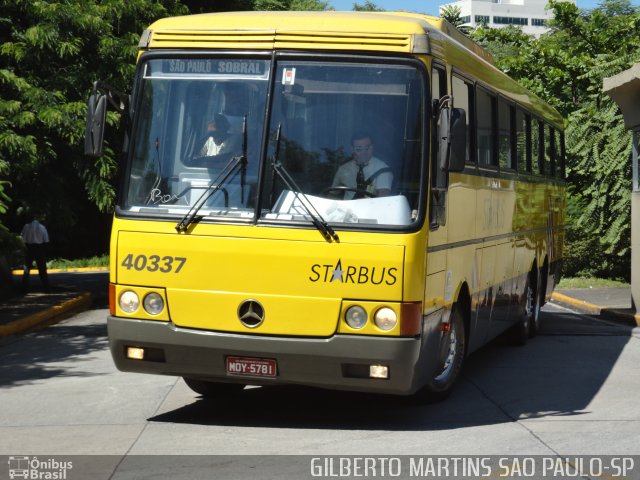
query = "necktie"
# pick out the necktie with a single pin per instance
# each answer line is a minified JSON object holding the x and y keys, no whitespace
{"x":360,"y":185}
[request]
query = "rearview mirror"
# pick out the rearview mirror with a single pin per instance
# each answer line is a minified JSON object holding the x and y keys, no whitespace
{"x":94,"y":130}
{"x":452,"y":135}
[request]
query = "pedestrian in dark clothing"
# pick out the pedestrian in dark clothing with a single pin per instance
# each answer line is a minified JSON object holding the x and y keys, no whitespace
{"x":36,"y":239}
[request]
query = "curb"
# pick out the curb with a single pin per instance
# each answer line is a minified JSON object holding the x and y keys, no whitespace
{"x":616,"y":314}
{"x":34,"y":271}
{"x":57,"y":313}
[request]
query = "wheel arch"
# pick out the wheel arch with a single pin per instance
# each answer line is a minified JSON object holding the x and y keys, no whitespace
{"x":463,"y":302}
{"x":544,"y":280}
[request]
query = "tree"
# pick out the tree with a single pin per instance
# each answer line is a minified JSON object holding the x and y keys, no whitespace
{"x":290,"y":5}
{"x":367,"y":6}
{"x":451,"y":13}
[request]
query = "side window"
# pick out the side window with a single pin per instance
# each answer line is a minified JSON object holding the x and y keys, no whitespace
{"x":536,"y":143}
{"x":462,"y":92}
{"x":486,"y":114}
{"x":437,"y":211}
{"x":549,"y":164}
{"x":505,"y":135}
{"x":438,"y":90}
{"x":523,"y":141}
{"x":559,"y":149}
{"x":438,"y":82}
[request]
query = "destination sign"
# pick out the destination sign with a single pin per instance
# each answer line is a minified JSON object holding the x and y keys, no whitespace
{"x":210,"y":67}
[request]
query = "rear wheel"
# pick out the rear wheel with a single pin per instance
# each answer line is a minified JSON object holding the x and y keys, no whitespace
{"x":213,"y":389}
{"x":532,"y":307}
{"x":527,"y":325}
{"x":453,"y":347}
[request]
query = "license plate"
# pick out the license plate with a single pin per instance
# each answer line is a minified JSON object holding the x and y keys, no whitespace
{"x":255,"y":367}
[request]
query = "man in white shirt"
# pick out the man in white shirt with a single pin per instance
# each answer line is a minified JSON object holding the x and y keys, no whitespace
{"x":219,"y":141}
{"x":364,"y":173}
{"x":35,"y":238}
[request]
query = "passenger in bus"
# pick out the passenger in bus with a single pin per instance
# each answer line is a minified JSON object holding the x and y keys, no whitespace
{"x":218,"y":139}
{"x":364,"y":175}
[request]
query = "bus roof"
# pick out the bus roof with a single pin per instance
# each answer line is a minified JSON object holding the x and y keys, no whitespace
{"x":392,"y":32}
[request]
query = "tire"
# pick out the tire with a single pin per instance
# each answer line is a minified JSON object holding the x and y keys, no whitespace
{"x":532,"y":306}
{"x":213,"y":389}
{"x":454,"y":346}
{"x":527,"y":325}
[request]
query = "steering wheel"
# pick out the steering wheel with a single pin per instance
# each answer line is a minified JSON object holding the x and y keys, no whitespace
{"x":342,"y":189}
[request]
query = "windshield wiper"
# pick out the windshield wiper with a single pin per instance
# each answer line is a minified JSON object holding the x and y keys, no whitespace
{"x":229,"y":171}
{"x":323,"y":227}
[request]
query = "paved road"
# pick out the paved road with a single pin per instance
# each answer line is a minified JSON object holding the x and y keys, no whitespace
{"x":570,"y":391}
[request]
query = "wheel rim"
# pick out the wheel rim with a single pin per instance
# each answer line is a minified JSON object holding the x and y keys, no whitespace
{"x":532,"y":307}
{"x":449,"y":362}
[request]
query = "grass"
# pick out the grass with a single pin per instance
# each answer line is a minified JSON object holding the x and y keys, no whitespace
{"x":590,"y":282}
{"x":62,"y":264}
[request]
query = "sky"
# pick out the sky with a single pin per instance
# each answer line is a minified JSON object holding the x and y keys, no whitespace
{"x":428,"y":6}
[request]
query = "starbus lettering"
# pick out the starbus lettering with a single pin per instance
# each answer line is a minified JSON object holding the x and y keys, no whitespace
{"x":356,"y":274}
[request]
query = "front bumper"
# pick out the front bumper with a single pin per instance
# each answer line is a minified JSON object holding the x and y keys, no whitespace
{"x":337,"y":362}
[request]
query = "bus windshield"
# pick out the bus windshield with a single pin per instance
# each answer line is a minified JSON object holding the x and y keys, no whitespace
{"x":340,"y":139}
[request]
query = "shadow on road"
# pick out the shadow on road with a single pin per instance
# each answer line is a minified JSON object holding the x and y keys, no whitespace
{"x":41,"y":355}
{"x":557,"y":374}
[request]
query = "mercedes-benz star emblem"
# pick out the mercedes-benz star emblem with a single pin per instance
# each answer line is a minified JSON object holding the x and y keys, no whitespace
{"x":251,"y":313}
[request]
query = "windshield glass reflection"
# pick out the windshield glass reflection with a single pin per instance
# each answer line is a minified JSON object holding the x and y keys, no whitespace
{"x":349,"y":135}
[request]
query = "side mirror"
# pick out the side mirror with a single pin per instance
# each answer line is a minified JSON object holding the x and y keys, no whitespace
{"x":94,"y":130}
{"x":452,"y":135}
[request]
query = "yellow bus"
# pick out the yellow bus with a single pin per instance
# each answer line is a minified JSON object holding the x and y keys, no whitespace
{"x":346,"y":200}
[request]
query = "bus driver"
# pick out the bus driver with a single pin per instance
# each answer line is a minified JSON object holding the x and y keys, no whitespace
{"x":364,"y":175}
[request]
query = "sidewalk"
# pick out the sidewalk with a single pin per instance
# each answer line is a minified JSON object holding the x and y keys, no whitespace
{"x":81,"y":289}
{"x":71,"y":291}
{"x":610,"y":303}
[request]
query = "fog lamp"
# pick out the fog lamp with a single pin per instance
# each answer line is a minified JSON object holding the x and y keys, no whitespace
{"x":385,"y":318}
{"x":356,"y":317}
{"x":378,"y":371}
{"x":129,"y":301}
{"x":135,"y":353}
{"x":153,"y":303}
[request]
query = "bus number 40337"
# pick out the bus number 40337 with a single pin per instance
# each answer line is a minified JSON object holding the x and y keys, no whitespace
{"x":154,"y":263}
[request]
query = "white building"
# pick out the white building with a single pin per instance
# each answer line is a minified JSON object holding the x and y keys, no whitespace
{"x":530,"y":15}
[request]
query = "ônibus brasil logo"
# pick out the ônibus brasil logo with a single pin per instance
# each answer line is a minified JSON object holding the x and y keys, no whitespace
{"x":34,"y":468}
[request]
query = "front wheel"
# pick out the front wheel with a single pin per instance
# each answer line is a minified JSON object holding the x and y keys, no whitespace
{"x":213,"y":389}
{"x":453,"y":348}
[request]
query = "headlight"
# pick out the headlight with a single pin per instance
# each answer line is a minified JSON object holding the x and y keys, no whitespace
{"x":356,"y":317}
{"x":129,"y":301}
{"x":385,"y":318}
{"x":153,"y":303}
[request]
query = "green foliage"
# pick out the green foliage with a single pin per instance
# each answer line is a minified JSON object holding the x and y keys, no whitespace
{"x":98,"y":261}
{"x":591,"y":282}
{"x":290,"y":5}
{"x":451,"y":13}
{"x":3,"y":196}
{"x":600,"y":174}
{"x":367,"y":6}
{"x":566,"y":67}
